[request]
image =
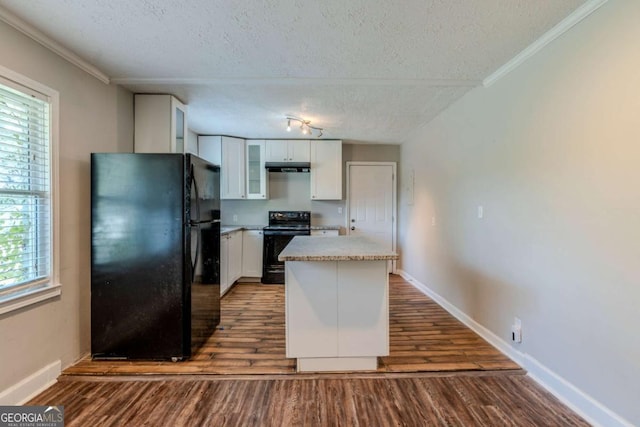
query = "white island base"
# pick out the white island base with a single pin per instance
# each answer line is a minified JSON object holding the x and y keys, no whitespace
{"x":337,"y":311}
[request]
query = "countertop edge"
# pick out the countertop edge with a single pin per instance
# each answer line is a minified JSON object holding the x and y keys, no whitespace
{"x":335,"y":248}
{"x":338,"y":258}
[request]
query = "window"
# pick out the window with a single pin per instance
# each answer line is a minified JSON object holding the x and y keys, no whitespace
{"x":26,"y":230}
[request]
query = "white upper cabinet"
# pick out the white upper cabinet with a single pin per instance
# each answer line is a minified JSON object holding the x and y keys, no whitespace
{"x":326,"y":170}
{"x":160,"y":124}
{"x":287,"y":150}
{"x":233,"y":179}
{"x":210,"y":149}
{"x":299,"y":150}
{"x":191,"y":143}
{"x":257,"y":183}
{"x":229,"y":154}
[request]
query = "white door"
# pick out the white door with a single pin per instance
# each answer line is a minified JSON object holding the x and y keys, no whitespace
{"x":371,"y":198}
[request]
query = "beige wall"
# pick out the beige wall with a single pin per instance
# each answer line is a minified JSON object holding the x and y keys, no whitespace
{"x":94,"y":117}
{"x":552,"y":153}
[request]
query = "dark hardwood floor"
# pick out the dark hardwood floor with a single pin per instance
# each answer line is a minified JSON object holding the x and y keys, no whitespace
{"x":438,"y":373}
{"x":480,"y":399}
{"x":251,"y":339}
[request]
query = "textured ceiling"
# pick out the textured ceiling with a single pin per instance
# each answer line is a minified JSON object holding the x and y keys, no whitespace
{"x":364,"y":70}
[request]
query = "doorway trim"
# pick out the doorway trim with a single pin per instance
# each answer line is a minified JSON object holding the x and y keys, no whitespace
{"x":394,"y":201}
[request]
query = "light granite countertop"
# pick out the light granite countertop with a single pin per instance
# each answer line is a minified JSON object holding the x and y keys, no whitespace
{"x":226,"y":229}
{"x":325,"y":227}
{"x":337,"y":248}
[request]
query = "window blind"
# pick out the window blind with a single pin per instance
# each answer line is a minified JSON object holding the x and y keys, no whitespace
{"x":25,"y":194}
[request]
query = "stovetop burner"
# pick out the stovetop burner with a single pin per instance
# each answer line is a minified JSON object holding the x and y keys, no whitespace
{"x":289,"y":219}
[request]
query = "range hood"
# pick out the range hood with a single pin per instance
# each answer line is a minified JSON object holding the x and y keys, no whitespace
{"x":287,"y":166}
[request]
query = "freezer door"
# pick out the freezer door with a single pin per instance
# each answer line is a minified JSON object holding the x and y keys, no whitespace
{"x":204,"y":189}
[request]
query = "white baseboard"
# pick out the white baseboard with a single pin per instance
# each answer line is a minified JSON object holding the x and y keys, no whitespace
{"x":30,"y":386}
{"x":485,"y":333}
{"x":587,"y":407}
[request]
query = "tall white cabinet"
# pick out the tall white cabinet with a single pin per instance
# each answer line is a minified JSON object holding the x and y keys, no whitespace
{"x":160,"y":124}
{"x":326,"y":169}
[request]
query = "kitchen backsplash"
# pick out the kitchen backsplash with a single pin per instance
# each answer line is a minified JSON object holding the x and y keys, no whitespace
{"x":287,"y":191}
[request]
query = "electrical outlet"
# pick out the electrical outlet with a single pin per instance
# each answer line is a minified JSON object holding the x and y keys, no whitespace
{"x":516,"y":330}
{"x":433,"y":220}
{"x":480,"y":212}
{"x":235,"y":218}
{"x":340,"y":210}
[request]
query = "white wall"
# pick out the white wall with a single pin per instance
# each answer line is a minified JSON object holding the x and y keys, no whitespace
{"x":552,"y":152}
{"x":94,"y":117}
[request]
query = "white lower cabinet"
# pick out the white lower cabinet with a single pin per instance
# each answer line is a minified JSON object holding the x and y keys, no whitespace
{"x":230,"y":259}
{"x":325,"y":233}
{"x":224,"y":264}
{"x":337,"y":313}
{"x":235,"y":256}
{"x":252,"y":241}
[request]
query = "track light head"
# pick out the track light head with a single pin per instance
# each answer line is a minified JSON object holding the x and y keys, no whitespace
{"x":305,"y":126}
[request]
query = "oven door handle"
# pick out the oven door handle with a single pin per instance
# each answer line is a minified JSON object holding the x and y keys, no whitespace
{"x":285,"y":233}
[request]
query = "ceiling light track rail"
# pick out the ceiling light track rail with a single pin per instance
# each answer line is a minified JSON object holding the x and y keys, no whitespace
{"x":305,"y":126}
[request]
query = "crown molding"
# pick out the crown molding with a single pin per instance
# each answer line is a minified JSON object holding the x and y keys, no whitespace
{"x":565,"y":25}
{"x":32,"y":32}
{"x":293,"y":81}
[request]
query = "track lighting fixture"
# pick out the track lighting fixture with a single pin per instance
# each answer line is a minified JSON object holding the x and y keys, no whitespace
{"x":305,"y":126}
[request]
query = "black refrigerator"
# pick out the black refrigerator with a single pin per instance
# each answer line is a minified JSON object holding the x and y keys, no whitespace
{"x":155,"y":255}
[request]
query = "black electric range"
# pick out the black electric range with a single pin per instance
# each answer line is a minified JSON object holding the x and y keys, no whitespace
{"x":283,"y":226}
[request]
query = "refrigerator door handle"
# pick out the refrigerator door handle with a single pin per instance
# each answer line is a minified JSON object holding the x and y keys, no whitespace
{"x":195,"y":224}
{"x":195,"y":260}
{"x":194,"y":183}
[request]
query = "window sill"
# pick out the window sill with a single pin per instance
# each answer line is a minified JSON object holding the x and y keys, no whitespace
{"x":16,"y":302}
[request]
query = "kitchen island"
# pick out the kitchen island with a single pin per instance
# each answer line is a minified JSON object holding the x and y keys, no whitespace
{"x":337,"y":302}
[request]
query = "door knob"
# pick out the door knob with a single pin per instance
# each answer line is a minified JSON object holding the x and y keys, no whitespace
{"x":353,"y":228}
